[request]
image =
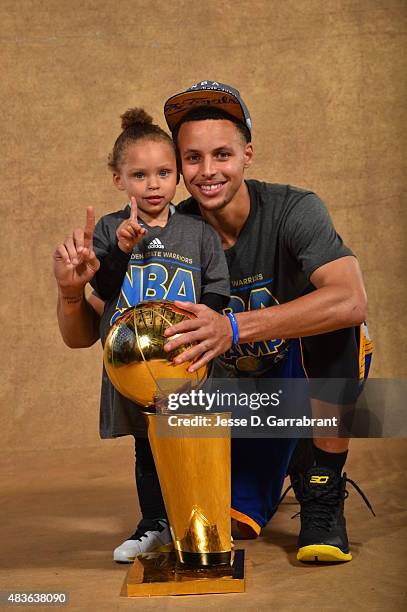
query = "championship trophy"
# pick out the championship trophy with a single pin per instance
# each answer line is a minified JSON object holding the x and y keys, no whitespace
{"x":194,"y":471}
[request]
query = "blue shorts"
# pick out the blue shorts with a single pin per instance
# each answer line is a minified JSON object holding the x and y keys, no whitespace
{"x":259,"y":465}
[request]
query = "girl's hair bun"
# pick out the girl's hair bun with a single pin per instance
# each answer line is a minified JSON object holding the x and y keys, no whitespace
{"x":137,"y":125}
{"x":134,"y":117}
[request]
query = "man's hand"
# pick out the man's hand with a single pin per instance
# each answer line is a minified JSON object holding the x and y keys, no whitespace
{"x":75,"y":262}
{"x":211,"y":332}
{"x":129,"y":233}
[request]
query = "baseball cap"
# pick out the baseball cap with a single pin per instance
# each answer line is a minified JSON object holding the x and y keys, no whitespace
{"x":207,"y":93}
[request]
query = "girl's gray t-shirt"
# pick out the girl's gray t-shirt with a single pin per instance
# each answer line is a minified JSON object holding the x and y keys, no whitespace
{"x":181,"y":261}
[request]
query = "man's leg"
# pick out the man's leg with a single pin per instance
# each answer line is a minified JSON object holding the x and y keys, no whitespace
{"x":153,"y":529}
{"x":259,"y":467}
{"x":321,"y":492}
{"x":321,"y":489}
{"x":331,"y":452}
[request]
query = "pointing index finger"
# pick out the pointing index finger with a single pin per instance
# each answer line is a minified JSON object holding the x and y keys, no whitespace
{"x":89,"y":227}
{"x":133,"y":212}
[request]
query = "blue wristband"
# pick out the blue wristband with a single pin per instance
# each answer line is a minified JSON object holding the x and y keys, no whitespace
{"x":235,"y":329}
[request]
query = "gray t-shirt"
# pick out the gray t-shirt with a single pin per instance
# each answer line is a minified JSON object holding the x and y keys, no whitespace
{"x":287,"y":236}
{"x":181,"y":261}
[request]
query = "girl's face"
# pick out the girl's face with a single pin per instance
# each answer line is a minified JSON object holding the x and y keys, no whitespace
{"x":148,"y":172}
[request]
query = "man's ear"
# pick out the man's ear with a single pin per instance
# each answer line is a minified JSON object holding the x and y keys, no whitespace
{"x":117,"y":181}
{"x":248,"y":155}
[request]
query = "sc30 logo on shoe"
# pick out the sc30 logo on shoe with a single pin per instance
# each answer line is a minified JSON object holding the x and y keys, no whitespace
{"x":319,"y":479}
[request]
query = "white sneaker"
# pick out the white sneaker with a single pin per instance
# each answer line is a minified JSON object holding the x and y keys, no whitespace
{"x":150,"y":534}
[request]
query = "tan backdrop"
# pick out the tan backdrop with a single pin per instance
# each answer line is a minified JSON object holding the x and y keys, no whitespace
{"x":325,"y":84}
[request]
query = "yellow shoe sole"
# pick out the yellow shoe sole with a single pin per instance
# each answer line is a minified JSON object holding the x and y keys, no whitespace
{"x":322,"y":553}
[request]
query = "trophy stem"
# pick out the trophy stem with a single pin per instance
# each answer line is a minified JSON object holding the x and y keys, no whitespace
{"x":194,"y":475}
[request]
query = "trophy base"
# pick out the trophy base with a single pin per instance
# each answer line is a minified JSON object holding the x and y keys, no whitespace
{"x":159,"y":573}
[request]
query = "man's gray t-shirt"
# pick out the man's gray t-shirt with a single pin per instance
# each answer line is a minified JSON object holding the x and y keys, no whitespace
{"x":181,"y":261}
{"x":287,"y":236}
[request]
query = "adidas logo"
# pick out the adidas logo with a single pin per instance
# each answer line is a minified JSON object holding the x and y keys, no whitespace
{"x":155,"y":244}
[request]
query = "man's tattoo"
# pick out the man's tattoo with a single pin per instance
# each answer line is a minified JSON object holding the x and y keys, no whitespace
{"x":72,"y":300}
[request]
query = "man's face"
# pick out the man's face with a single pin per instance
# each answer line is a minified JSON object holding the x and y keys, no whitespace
{"x":213,"y":156}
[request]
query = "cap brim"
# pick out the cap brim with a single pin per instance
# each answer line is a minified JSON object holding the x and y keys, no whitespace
{"x":179,"y":105}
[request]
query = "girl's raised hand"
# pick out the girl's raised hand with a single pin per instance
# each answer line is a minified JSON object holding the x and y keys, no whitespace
{"x":129,"y":233}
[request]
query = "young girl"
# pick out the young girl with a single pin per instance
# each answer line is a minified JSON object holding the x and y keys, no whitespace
{"x":149,"y":251}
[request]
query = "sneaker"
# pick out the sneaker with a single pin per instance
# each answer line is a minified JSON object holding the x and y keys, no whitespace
{"x":322,"y":493}
{"x":150,"y":534}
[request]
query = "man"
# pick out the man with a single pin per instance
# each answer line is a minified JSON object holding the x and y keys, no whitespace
{"x":291,"y":277}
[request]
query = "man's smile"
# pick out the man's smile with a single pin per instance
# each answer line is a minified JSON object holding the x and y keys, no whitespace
{"x":211,"y":189}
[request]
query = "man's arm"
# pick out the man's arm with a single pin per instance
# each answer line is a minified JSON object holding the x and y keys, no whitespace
{"x":79,"y":319}
{"x":339,"y":301}
{"x":75,"y":264}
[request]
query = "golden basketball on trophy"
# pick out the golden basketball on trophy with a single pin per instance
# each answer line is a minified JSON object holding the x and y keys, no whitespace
{"x":134,"y":355}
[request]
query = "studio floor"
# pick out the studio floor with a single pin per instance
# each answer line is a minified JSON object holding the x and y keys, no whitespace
{"x":63,"y":512}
